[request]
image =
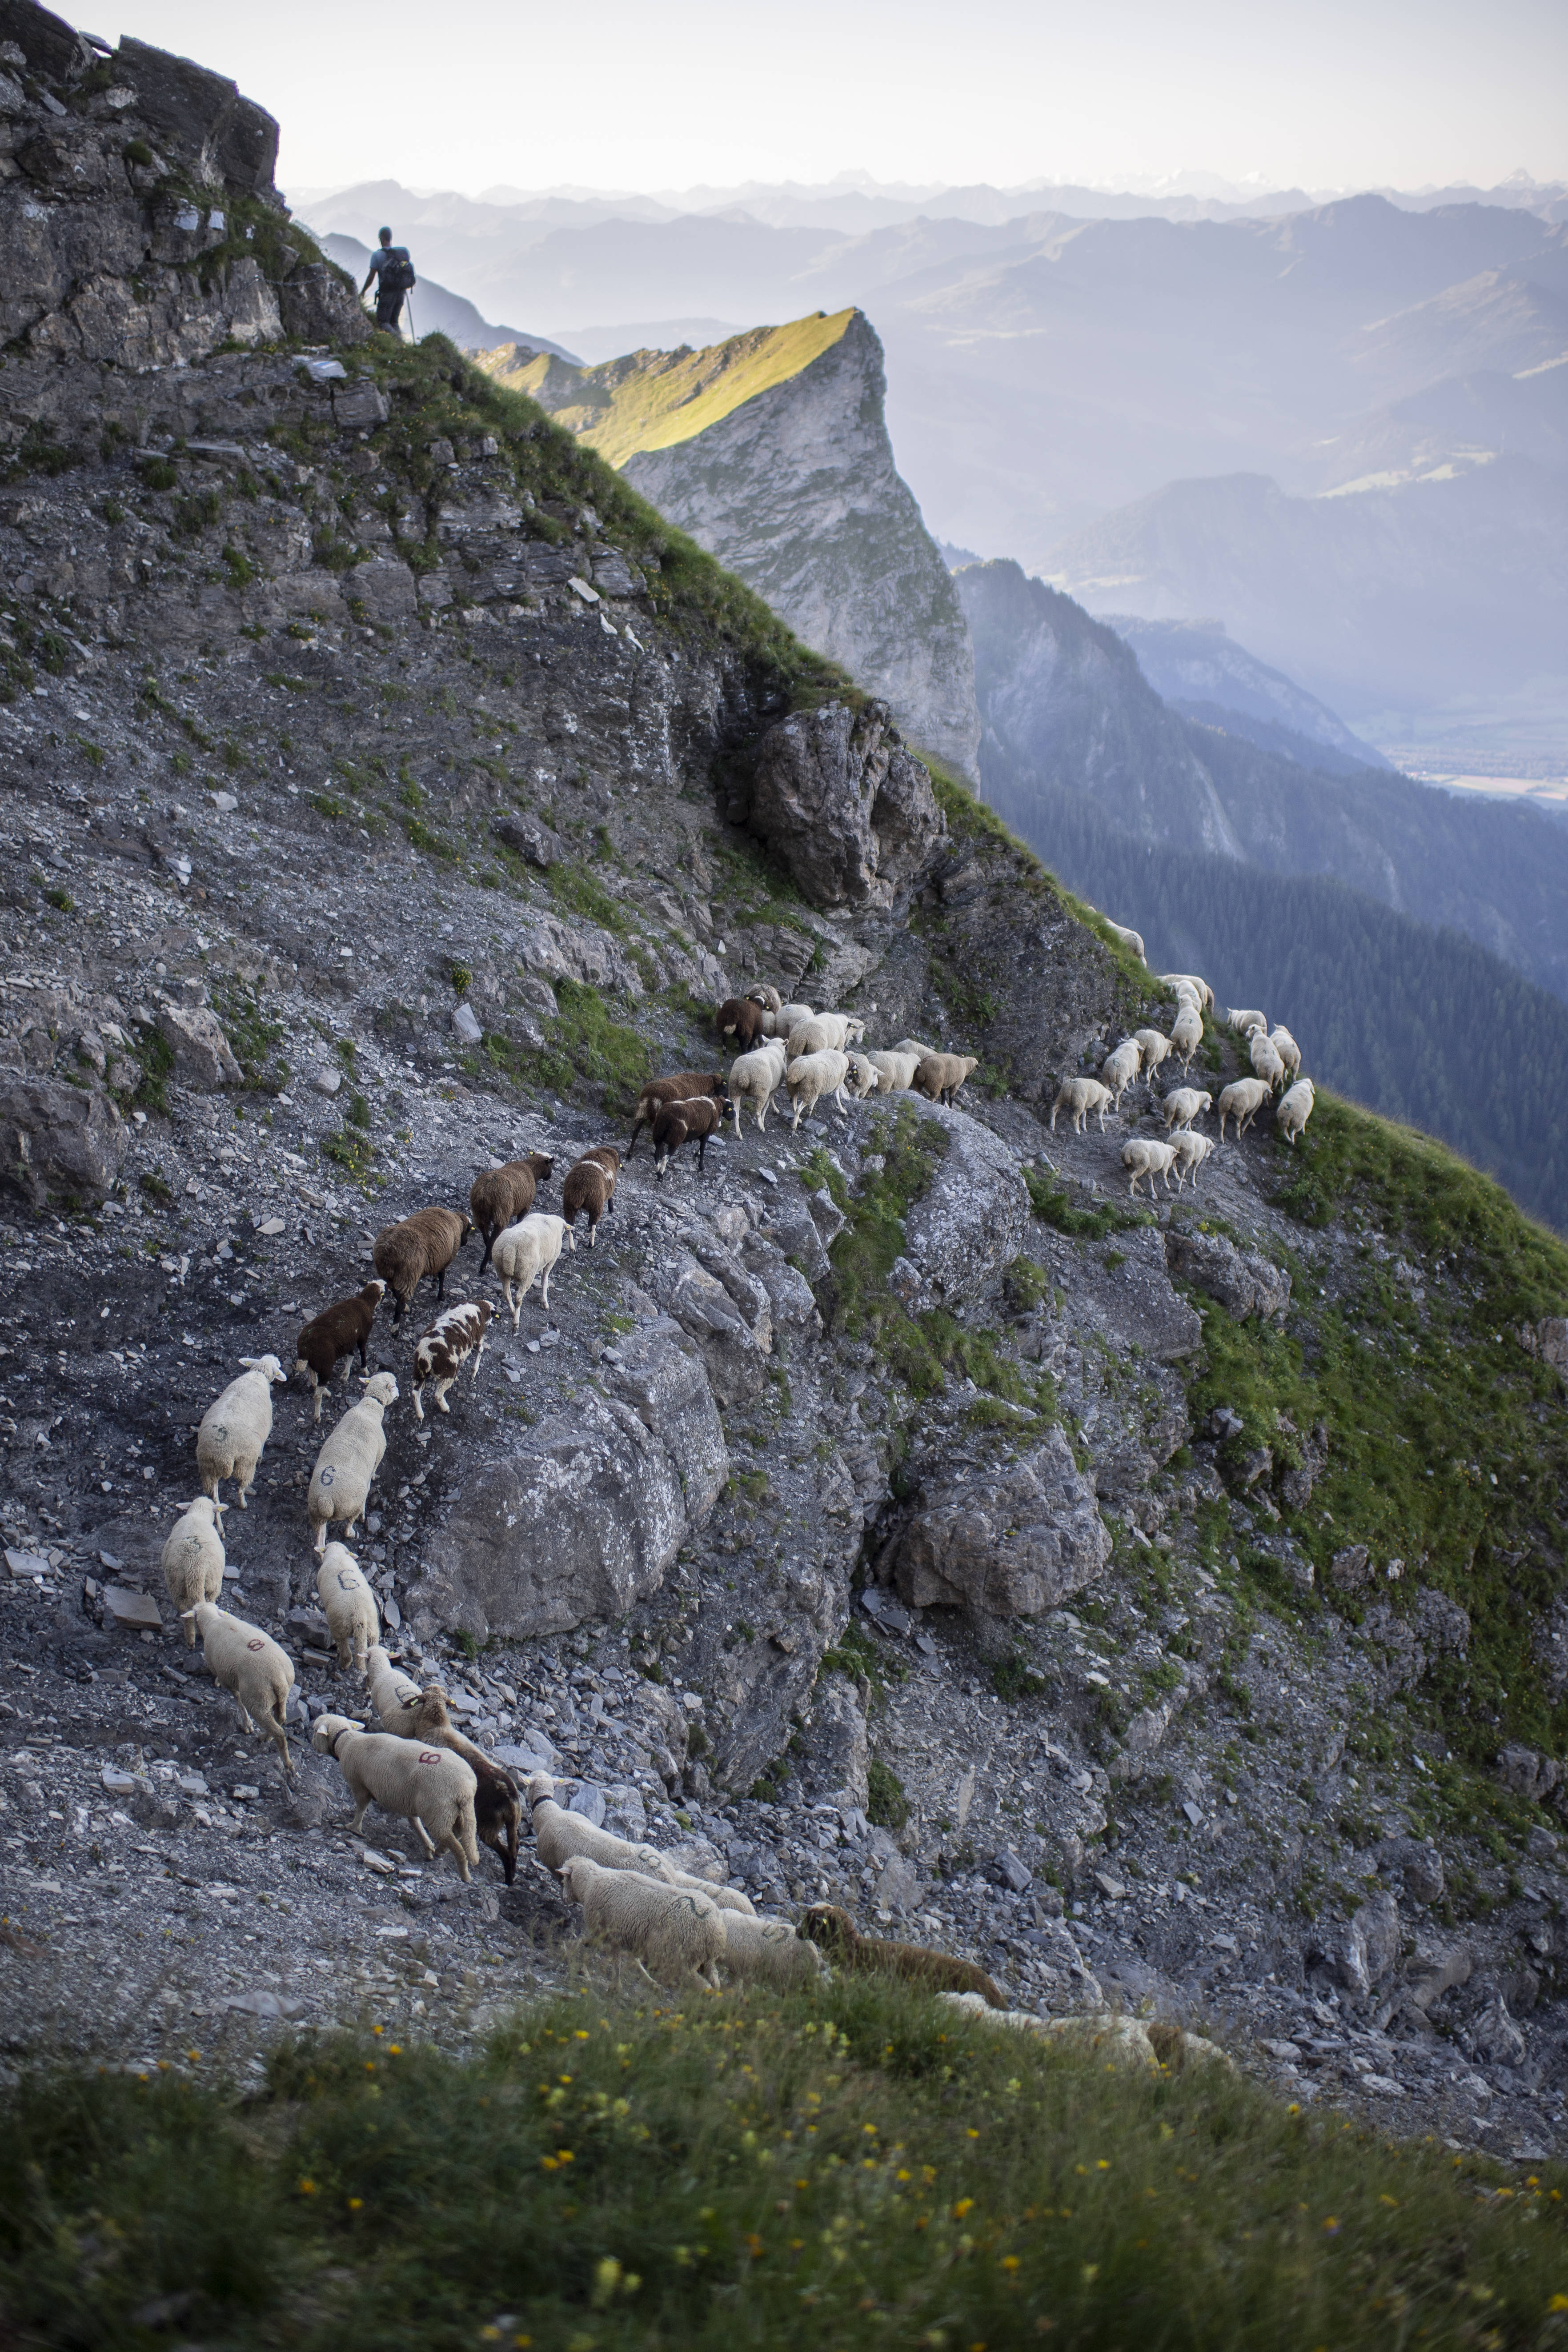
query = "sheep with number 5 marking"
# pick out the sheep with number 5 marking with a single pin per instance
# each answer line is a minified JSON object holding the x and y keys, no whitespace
{"x":341,"y":1481}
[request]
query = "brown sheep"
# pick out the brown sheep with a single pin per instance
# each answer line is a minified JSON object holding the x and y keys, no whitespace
{"x":847,"y":1948}
{"x":682,"y":1088}
{"x":425,"y":1243}
{"x":499,"y":1196}
{"x":940,"y":1075}
{"x":741,"y":1018}
{"x":337,"y":1331}
{"x":498,"y":1800}
{"x":677,"y":1122}
{"x":590,"y":1187}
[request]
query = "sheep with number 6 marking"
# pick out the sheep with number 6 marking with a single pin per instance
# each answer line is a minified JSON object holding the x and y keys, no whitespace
{"x":250,"y":1666}
{"x":339,"y":1483}
{"x":429,"y":1786}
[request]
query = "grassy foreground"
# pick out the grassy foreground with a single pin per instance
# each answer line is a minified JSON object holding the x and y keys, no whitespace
{"x":859,"y":2167}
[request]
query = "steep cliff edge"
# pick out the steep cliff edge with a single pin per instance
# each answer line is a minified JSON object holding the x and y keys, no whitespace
{"x":771,"y":450}
{"x":895,"y":1513}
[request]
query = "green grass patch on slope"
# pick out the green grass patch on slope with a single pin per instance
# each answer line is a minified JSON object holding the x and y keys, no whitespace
{"x":1448,"y":1443}
{"x":855,"y":2166}
{"x":923,"y":1351}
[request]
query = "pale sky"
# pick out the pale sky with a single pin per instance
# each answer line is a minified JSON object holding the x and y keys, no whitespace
{"x":628,"y":95}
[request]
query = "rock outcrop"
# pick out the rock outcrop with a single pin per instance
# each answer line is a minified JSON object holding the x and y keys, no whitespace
{"x":841,"y":801}
{"x":1009,"y":1541}
{"x":771,"y":450}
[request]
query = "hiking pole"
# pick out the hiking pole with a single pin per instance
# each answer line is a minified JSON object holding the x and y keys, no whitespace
{"x":408,"y":299}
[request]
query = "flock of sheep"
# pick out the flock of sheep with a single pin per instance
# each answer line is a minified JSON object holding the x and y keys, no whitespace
{"x":1273,"y":1053}
{"x":418,"y":1765}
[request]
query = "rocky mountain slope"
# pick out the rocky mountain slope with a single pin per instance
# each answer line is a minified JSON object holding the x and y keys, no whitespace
{"x":1159,"y":1600}
{"x":771,"y":450}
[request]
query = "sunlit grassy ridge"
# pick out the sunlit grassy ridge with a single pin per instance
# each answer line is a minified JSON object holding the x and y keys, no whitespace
{"x":859,"y":2167}
{"x":651,"y":400}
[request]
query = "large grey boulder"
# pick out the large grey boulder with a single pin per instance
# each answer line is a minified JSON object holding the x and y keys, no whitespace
{"x":56,"y":1138}
{"x":1244,"y":1282}
{"x":837,"y":1758}
{"x":969,"y":1225}
{"x":1011,"y":1541}
{"x":732,"y":1351}
{"x":203,"y":1056}
{"x":847,"y":808}
{"x":1124,"y":1291}
{"x":583,"y":1520}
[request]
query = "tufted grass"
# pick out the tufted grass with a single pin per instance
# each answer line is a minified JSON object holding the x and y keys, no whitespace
{"x":854,"y":2167}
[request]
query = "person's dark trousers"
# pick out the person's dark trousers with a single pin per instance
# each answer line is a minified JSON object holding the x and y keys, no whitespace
{"x":388,"y":311}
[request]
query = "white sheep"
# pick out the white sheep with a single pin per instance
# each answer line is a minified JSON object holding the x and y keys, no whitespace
{"x":675,"y":1932}
{"x":1245,"y":1023}
{"x":348,"y":1606}
{"x":1141,"y":1156}
{"x":787,"y":1017}
{"x":1128,"y":939}
{"x":339,"y":1483}
{"x":1285,"y":1045}
{"x":1079,"y":1097}
{"x":525,"y":1254}
{"x":431,"y":1787}
{"x":1295,"y":1109}
{"x":824,"y":1032}
{"x":249,"y":1665}
{"x":864,"y":1076}
{"x":193,"y":1560}
{"x":1187,"y":1033}
{"x":1183,"y":1105}
{"x":812,"y":1076}
{"x":1195,"y":982}
{"x":1191,"y":1150}
{"x":912,"y":1045}
{"x":757,"y":1078}
{"x":1120,"y":1068}
{"x":1152,"y":1047}
{"x":1266,"y":1061}
{"x":559,"y":1833}
{"x":770,"y":1949}
{"x":235,"y":1431}
{"x":1242,"y":1100}
{"x":394,"y":1696}
{"x":895,"y":1072}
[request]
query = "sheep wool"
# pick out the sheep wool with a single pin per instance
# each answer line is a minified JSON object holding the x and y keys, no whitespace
{"x":1242,"y":1100}
{"x":1141,"y":1156}
{"x":824,"y":1032}
{"x":678,"y":1935}
{"x":497,"y":1799}
{"x":1152,"y":1047}
{"x":941,"y":1075}
{"x":193,"y":1560}
{"x":1191,"y":1150}
{"x":234,"y":1431}
{"x":431,"y":1787}
{"x":1187,"y":1033}
{"x":1079,"y":1097}
{"x":339,"y":1483}
{"x":756,"y":1078}
{"x":251,"y":1666}
{"x":348,"y":1606}
{"x":342,"y":1329}
{"x":895,"y":1071}
{"x":685,"y":1086}
{"x":834,"y":1930}
{"x":445,"y":1346}
{"x":1183,"y":1105}
{"x":423,"y":1243}
{"x":1295,"y":1109}
{"x":525,"y":1254}
{"x":1120,"y":1068}
{"x":394,"y":1696}
{"x":499,"y":1196}
{"x":769,"y":1949}
{"x":814,"y":1076}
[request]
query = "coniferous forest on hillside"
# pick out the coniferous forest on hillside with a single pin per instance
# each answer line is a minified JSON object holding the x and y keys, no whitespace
{"x":1416,"y":1018}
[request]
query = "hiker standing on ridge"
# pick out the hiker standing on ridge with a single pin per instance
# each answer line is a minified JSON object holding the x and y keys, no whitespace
{"x":394,"y":273}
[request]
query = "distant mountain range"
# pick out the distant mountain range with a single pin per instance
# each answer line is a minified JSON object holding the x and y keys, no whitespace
{"x":1338,"y":428}
{"x":1076,"y":748}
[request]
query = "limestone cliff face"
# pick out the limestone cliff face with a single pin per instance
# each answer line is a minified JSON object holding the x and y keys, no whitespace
{"x":773,"y":451}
